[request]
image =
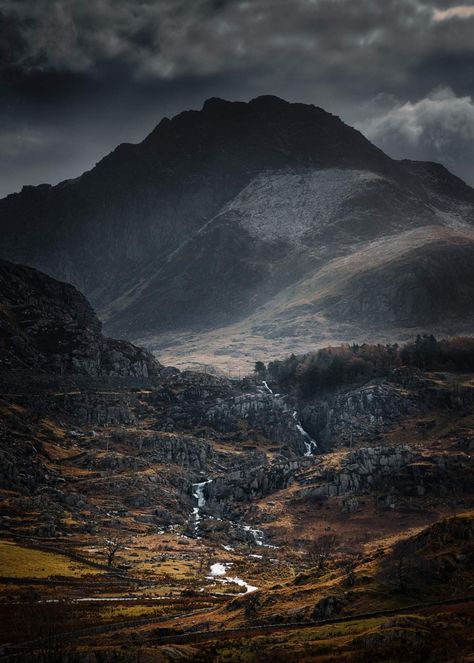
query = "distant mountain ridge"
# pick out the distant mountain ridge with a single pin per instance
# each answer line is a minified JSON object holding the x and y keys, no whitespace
{"x":218,"y":212}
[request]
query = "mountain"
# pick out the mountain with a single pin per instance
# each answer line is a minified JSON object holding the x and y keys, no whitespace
{"x":48,"y":327}
{"x":225,"y":213}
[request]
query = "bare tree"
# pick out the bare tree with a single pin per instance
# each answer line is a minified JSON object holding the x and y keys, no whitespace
{"x":349,"y":567}
{"x":322,"y":549}
{"x":112,"y":546}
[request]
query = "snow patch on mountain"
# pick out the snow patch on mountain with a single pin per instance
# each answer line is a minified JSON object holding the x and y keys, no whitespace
{"x":284,"y":205}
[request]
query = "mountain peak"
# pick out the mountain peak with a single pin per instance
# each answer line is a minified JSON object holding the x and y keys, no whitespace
{"x":218,"y":210}
{"x":263,"y":101}
{"x":269,"y":100}
{"x":217,"y":103}
{"x":265,"y":132}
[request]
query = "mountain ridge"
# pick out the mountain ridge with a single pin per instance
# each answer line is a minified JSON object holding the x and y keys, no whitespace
{"x":218,"y":210}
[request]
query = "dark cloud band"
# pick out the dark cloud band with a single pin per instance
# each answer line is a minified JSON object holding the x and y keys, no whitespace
{"x":66,"y":64}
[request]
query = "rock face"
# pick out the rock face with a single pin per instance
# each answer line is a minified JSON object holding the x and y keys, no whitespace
{"x":388,"y":473}
{"x":251,"y":482}
{"x":93,"y":408}
{"x":425,"y":285}
{"x":183,"y":450}
{"x":267,"y":414}
{"x":219,"y":211}
{"x":363,"y":467}
{"x":360,"y":470}
{"x":342,"y":419}
{"x":49,"y":327}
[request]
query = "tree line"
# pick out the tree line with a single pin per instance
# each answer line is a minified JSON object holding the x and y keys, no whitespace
{"x":330,"y":368}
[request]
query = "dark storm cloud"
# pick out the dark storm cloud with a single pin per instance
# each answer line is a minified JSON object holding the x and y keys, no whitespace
{"x":439,"y":127}
{"x":86,"y":75}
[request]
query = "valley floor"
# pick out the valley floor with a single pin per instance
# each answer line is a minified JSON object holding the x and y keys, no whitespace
{"x":221,"y":548}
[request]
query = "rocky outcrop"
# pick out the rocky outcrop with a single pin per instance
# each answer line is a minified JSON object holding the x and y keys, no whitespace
{"x":85,"y":408}
{"x":248,"y":483}
{"x":360,"y":470}
{"x":361,"y":413}
{"x":180,"y":449}
{"x":47,"y":326}
{"x":327,"y":607}
{"x":267,"y":414}
{"x":115,"y":462}
{"x":391,"y":472}
{"x":17,"y":472}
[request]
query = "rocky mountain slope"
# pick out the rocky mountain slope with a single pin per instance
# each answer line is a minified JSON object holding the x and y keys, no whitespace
{"x":221,"y":212}
{"x":151,"y":506}
{"x":48,"y":327}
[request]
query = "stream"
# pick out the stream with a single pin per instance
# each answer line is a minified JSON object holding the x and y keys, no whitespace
{"x":309,"y":443}
{"x":198,"y":493}
{"x":219,"y":573}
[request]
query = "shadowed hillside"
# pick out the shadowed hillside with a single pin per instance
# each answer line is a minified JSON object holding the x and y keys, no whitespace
{"x":265,"y":220}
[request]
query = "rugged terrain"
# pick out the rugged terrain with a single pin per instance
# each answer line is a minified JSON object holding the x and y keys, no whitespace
{"x":166,"y":515}
{"x":48,"y":327}
{"x":268,"y":220}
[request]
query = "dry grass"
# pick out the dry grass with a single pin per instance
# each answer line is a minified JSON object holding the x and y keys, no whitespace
{"x":20,"y":562}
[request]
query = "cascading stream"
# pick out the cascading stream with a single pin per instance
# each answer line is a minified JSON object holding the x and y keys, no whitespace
{"x":265,"y":384}
{"x":309,"y":443}
{"x":198,"y":494}
{"x":198,"y":488}
{"x":219,"y":573}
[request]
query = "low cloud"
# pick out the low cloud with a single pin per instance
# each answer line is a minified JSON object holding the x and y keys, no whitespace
{"x":461,"y":11}
{"x":439,"y":127}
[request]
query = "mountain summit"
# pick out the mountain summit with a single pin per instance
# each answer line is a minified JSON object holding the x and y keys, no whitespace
{"x":238,"y":214}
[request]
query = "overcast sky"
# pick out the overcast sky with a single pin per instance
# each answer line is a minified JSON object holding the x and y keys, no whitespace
{"x":80,"y":76}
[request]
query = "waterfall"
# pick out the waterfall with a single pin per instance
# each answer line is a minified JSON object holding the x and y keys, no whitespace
{"x":309,"y":443}
{"x":265,"y":384}
{"x":198,"y":494}
{"x":257,"y":534}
